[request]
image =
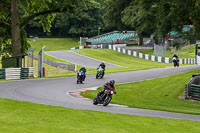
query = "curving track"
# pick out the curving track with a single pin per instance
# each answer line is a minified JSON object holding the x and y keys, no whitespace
{"x":76,"y":58}
{"x":57,"y":91}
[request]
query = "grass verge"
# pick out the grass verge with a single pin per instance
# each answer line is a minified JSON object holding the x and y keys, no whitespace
{"x":28,"y":117}
{"x":157,"y":94}
{"x":130,"y":63}
{"x":53,"y":44}
{"x":184,"y":52}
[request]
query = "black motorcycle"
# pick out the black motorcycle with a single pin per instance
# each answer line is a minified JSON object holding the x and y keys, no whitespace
{"x":104,"y":98}
{"x":80,"y":77}
{"x":175,"y":61}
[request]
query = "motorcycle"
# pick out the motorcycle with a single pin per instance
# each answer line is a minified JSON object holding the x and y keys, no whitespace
{"x":104,"y":98}
{"x":175,"y":61}
{"x":80,"y":77}
{"x":99,"y":73}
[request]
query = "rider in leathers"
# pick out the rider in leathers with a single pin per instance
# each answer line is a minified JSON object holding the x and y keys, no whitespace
{"x":108,"y":86}
{"x":103,"y":66}
{"x":84,"y":71}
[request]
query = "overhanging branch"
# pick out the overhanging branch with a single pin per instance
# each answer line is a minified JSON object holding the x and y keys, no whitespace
{"x":2,"y":22}
{"x":27,"y":19}
{"x":4,"y":5}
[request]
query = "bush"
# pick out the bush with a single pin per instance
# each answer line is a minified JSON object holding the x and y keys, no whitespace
{"x":176,"y":44}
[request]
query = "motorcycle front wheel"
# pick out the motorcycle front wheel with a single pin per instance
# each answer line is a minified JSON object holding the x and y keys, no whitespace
{"x":107,"y":100}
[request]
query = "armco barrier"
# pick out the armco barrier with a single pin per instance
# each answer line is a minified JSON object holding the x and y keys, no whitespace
{"x":150,"y":57}
{"x":65,"y":66}
{"x":16,"y":73}
{"x":192,"y":90}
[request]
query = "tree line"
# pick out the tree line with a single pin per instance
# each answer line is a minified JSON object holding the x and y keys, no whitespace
{"x":74,"y":18}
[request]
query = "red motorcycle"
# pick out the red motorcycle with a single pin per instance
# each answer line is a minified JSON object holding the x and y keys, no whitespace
{"x":104,"y":98}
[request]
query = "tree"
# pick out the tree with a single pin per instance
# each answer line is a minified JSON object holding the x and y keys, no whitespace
{"x":15,"y":14}
{"x":83,"y":22}
{"x":113,"y":13}
{"x":158,"y":17}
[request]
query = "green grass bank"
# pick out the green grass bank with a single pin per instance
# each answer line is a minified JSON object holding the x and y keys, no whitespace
{"x":157,"y":94}
{"x":25,"y":117}
{"x":127,"y":62}
{"x":187,"y":51}
{"x":53,"y":44}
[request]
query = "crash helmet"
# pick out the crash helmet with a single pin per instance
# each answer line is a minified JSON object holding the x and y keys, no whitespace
{"x":112,"y":82}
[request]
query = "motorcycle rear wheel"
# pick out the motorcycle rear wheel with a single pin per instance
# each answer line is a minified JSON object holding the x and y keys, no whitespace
{"x":95,"y":101}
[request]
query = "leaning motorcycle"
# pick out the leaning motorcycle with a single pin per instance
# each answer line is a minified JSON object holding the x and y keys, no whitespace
{"x":99,"y":73}
{"x":80,"y":77}
{"x":104,"y":98}
{"x":175,"y":61}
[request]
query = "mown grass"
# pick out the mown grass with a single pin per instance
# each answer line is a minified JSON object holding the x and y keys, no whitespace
{"x":184,"y":52}
{"x":25,"y":117}
{"x":53,"y":71}
{"x":157,"y":94}
{"x":53,"y":44}
{"x":127,"y":62}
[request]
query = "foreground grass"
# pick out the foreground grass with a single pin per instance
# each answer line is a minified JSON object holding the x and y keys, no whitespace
{"x":27,"y":117}
{"x":157,"y":94}
{"x":184,"y":52}
{"x":129,"y":63}
{"x":53,"y":44}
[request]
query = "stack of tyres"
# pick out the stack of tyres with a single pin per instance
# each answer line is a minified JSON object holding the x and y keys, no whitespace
{"x":195,"y":92}
{"x":2,"y":74}
{"x":24,"y":73}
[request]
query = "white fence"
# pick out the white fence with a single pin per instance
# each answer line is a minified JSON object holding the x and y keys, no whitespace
{"x":17,"y":73}
{"x":150,"y":57}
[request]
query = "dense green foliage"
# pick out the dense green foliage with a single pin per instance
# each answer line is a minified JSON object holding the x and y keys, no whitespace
{"x":83,"y":22}
{"x":85,"y":17}
{"x":158,"y":17}
{"x":156,"y":94}
{"x":14,"y":15}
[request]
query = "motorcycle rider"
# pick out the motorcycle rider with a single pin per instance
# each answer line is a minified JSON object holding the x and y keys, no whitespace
{"x":175,"y":56}
{"x":103,"y":66}
{"x":84,"y":71}
{"x":108,"y":86}
{"x":175,"y":59}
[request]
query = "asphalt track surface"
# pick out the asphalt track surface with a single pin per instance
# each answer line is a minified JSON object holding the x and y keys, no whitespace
{"x":60,"y":91}
{"x":82,"y":60}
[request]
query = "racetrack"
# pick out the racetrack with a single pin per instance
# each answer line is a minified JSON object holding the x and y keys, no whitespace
{"x":56,"y":91}
{"x":82,"y":60}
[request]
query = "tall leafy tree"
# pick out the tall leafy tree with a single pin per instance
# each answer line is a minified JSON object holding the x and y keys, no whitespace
{"x":15,"y":14}
{"x":113,"y":13}
{"x":83,"y":22}
{"x":158,"y":16}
